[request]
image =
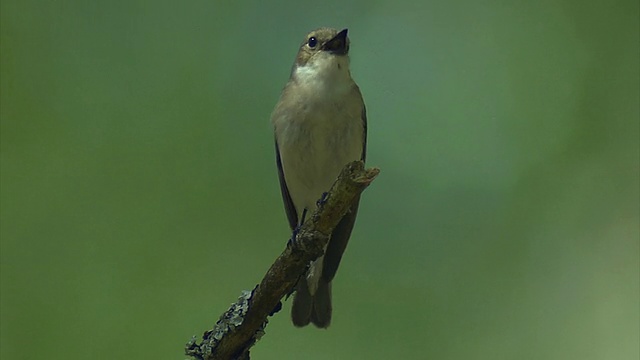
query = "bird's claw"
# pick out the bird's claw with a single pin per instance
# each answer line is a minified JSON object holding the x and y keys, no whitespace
{"x":323,"y":199}
{"x":294,"y":235}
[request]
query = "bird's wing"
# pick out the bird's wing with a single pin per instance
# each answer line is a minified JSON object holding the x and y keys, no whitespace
{"x":289,"y":208}
{"x":364,"y":134}
{"x":342,"y":232}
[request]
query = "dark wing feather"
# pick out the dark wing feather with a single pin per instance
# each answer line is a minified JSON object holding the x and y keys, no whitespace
{"x":338,"y":243}
{"x":364,"y":135}
{"x":342,"y":232}
{"x":289,"y":208}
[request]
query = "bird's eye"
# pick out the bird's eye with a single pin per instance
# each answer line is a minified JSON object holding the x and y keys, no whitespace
{"x":313,"y":42}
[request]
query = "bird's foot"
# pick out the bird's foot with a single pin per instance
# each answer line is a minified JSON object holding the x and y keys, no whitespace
{"x":294,"y":235}
{"x":323,"y":199}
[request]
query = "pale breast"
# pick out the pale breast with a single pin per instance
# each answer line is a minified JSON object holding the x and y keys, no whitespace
{"x":316,"y":143}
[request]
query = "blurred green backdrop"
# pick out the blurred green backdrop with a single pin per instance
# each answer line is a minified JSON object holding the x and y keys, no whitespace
{"x":139,"y":194}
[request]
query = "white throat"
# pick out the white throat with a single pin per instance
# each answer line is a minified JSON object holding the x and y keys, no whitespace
{"x":325,"y":72}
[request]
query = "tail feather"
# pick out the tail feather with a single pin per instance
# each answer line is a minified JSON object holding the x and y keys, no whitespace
{"x":321,"y":312}
{"x":302,"y":304}
{"x":314,"y":308}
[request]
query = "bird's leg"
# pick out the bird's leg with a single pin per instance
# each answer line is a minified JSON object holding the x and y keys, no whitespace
{"x":294,"y":235}
{"x":323,"y":199}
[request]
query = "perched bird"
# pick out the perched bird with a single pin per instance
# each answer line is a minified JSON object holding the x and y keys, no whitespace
{"x":320,"y":125}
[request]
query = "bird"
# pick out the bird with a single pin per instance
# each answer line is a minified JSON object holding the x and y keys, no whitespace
{"x":320,"y":125}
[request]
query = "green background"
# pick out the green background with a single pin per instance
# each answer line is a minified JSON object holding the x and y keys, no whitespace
{"x":139,"y":194}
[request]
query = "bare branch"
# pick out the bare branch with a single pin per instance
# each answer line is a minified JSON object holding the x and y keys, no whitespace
{"x":243,"y":323}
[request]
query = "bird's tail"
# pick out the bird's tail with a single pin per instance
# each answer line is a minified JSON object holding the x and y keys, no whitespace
{"x":314,"y":308}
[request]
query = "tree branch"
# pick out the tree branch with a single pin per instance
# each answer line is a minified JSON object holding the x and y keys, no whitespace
{"x":243,"y":323}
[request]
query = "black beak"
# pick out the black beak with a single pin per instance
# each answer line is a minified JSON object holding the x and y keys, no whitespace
{"x":338,"y":44}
